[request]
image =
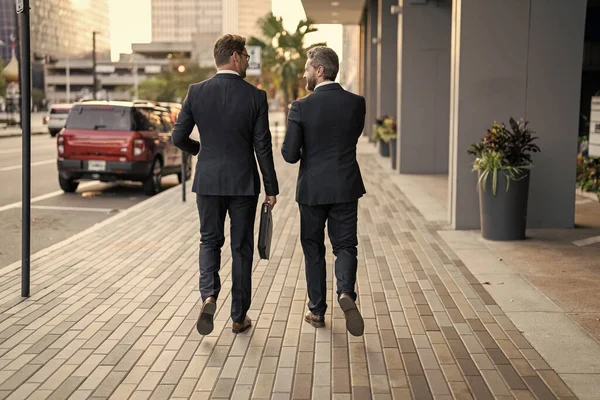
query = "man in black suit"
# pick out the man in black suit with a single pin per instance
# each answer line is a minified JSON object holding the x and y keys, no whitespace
{"x":233,"y":122}
{"x":322,"y":133}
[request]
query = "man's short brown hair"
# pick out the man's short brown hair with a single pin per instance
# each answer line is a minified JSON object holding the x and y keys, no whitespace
{"x":226,"y":45}
{"x":327,"y":58}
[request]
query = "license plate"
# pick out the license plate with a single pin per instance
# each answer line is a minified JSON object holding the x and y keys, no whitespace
{"x":96,"y":165}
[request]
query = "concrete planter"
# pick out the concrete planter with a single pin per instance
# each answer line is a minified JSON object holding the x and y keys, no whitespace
{"x":384,"y":149}
{"x":504,"y":216}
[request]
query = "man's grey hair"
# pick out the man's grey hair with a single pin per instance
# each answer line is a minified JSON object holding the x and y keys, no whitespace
{"x":327,"y":58}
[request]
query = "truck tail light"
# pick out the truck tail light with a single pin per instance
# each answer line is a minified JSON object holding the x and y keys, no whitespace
{"x":138,"y":146}
{"x":60,"y":144}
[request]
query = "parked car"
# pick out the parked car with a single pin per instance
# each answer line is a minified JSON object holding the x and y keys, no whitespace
{"x":173,"y":108}
{"x":113,"y":141}
{"x":57,"y":118}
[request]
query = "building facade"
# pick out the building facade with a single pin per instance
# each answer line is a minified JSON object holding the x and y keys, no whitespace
{"x":447,"y":70}
{"x":202,"y":22}
{"x":249,"y":11}
{"x":350,"y":61}
{"x":59,"y":28}
{"x":8,"y":29}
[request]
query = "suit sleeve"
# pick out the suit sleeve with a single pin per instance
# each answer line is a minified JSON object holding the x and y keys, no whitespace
{"x":363,"y":112}
{"x":184,"y":126}
{"x":292,"y":144}
{"x":264,"y":149}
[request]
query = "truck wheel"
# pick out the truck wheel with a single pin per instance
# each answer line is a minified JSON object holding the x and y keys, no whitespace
{"x":67,"y":185}
{"x":152,"y":184}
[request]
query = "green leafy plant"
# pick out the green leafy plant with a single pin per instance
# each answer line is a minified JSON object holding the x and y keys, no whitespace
{"x":385,"y":128}
{"x":506,"y":151}
{"x":588,"y":174}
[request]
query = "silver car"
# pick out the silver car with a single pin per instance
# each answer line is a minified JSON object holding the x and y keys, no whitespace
{"x":58,"y":118}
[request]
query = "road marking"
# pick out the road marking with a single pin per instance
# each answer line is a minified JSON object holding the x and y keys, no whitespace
{"x":35,"y":164}
{"x":34,"y":147}
{"x":46,"y":196}
{"x":588,"y":241}
{"x":83,"y":209}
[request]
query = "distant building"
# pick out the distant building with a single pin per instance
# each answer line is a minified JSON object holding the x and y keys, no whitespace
{"x":189,"y":28}
{"x":72,"y":80}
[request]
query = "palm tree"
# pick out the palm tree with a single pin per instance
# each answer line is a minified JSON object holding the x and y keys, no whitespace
{"x":283,"y":56}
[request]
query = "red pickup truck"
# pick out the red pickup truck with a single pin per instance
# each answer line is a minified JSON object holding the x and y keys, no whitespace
{"x":114,"y":141}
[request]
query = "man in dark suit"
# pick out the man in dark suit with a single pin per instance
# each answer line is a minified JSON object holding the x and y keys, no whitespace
{"x":322,"y":133}
{"x":233,"y":122}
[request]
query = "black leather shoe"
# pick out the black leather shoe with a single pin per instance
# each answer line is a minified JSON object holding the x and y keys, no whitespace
{"x":354,"y":321}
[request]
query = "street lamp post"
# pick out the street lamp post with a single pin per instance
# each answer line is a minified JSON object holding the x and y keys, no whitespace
{"x":25,"y":77}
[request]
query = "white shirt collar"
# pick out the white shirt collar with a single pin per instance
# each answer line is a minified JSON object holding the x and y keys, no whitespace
{"x":228,"y":71}
{"x":323,"y":84}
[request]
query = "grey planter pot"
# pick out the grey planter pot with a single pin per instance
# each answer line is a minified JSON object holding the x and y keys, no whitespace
{"x":384,"y":149}
{"x":504,"y":216}
{"x":393,"y":148}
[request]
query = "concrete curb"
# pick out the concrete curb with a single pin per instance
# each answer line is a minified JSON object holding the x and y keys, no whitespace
{"x":15,"y":134}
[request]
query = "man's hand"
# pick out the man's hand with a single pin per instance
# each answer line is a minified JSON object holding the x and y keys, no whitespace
{"x":271,"y":200}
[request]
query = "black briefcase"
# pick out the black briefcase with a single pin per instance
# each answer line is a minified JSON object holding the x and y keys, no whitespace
{"x":265,"y":232}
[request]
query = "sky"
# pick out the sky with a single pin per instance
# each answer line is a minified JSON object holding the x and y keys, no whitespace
{"x":131,"y":22}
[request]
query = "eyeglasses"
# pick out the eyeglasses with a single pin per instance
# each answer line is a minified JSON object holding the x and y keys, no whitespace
{"x":244,"y":54}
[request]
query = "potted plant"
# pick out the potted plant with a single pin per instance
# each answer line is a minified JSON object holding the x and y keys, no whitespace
{"x":385,"y":133}
{"x":503,"y":163}
{"x":588,"y":174}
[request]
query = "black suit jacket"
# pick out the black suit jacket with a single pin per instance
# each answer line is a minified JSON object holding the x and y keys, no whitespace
{"x":322,"y":133}
{"x":233,"y":121}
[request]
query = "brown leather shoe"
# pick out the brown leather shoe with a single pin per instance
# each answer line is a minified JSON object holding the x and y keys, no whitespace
{"x":205,"y":320}
{"x":318,"y":321}
{"x":239,"y":327}
{"x":354,"y":321}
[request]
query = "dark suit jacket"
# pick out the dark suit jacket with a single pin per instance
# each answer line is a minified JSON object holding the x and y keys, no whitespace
{"x":322,"y":133}
{"x":233,"y":122}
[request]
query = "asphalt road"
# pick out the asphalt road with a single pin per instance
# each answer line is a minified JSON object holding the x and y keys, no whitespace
{"x":57,"y":215}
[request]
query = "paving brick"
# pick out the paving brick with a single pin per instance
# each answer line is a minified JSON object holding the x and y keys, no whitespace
{"x":67,"y":388}
{"x":419,"y":387}
{"x":263,"y":386}
{"x":284,"y":380}
{"x":479,"y":388}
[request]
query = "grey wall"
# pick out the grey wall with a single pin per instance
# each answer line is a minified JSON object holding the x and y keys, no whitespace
{"x":553,"y":97}
{"x":371,"y":70}
{"x":424,"y":88}
{"x":527,"y":63}
{"x":387,"y":32}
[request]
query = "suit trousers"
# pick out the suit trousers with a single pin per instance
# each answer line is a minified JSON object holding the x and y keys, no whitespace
{"x":342,"y":220}
{"x":242,"y":213}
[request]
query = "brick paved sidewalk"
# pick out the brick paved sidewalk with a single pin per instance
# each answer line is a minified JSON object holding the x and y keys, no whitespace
{"x":113,"y":311}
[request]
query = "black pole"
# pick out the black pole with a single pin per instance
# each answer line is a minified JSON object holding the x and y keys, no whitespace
{"x":25,"y":74}
{"x":94,"y":63}
{"x":184,"y":157}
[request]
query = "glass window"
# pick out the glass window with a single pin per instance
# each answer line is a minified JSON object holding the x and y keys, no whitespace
{"x":100,"y":118}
